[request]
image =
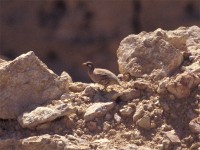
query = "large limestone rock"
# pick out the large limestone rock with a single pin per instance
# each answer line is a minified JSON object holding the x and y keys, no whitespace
{"x":159,"y":52}
{"x":44,"y":114}
{"x":25,"y":82}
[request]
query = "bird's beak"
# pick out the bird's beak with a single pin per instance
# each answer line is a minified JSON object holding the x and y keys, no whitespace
{"x":83,"y":64}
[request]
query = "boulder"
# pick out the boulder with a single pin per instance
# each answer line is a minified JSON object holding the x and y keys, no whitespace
{"x":98,"y":109}
{"x":44,"y":114}
{"x":182,"y":84}
{"x":158,"y":52}
{"x":26,"y":82}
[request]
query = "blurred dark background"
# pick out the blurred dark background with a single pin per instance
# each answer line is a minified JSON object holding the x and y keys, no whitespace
{"x":66,"y":33}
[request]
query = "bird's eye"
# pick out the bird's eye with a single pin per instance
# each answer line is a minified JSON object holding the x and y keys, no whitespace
{"x":89,"y":65}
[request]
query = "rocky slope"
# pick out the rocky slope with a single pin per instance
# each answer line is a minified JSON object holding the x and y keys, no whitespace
{"x":65,"y":33}
{"x":157,"y":105}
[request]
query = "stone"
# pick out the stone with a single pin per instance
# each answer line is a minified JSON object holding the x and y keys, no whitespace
{"x":148,"y":53}
{"x":134,"y":147}
{"x":144,"y":148}
{"x":159,"y":52}
{"x":101,"y":144}
{"x":77,"y":147}
{"x":36,"y":142}
{"x":117,"y":118}
{"x":54,"y":142}
{"x":195,"y":146}
{"x":26,"y":82}
{"x":127,"y":135}
{"x":166,"y":144}
{"x":77,"y":86}
{"x":63,"y":79}
{"x":68,"y":96}
{"x":138,"y":113}
{"x":98,"y":110}
{"x":144,"y":122}
{"x":89,"y":91}
{"x":92,"y":126}
{"x":100,"y":141}
{"x":195,"y":125}
{"x":129,"y":147}
{"x":112,"y":132}
{"x":182,"y":84}
{"x":191,"y":58}
{"x":106,"y":126}
{"x":126,"y":111}
{"x":43,"y":114}
{"x":194,"y":67}
{"x":2,"y":61}
{"x":142,"y":85}
{"x":171,"y":135}
{"x":162,"y":86}
{"x":130,"y":94}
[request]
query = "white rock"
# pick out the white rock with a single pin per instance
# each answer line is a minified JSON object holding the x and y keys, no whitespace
{"x":126,"y":110}
{"x":98,"y":110}
{"x":117,"y":118}
{"x":25,"y":82}
{"x":44,"y":114}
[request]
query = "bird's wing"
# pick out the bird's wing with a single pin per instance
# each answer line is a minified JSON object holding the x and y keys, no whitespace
{"x":106,"y":75}
{"x":103,"y":72}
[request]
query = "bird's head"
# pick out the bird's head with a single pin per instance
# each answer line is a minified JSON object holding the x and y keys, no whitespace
{"x":89,"y":64}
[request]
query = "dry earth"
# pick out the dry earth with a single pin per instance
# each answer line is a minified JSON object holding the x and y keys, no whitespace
{"x":157,"y":105}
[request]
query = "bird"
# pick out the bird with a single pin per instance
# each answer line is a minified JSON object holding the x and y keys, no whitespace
{"x":101,"y":76}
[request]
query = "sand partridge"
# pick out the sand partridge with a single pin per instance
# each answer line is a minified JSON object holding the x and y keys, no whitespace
{"x":101,"y":76}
